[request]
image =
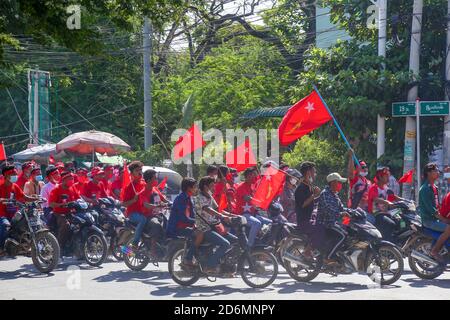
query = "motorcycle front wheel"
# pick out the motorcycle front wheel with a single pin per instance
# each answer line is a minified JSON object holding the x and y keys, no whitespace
{"x":95,"y":249}
{"x":386,"y":266}
{"x":116,"y":250}
{"x":45,"y":256}
{"x":259,"y":269}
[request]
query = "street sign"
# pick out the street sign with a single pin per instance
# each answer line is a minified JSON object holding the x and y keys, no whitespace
{"x":434,"y":108}
{"x":403,"y":109}
{"x":427,"y":108}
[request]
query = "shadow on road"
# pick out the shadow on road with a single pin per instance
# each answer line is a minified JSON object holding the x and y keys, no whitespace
{"x":25,"y":271}
{"x":200,"y":291}
{"x":324,"y":287}
{"x":422,"y":283}
{"x":147,"y":277}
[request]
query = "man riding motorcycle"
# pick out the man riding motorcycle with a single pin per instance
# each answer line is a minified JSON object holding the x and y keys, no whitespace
{"x":9,"y":190}
{"x":329,"y":210}
{"x":378,"y":204}
{"x":207,"y":220}
{"x":429,"y":209}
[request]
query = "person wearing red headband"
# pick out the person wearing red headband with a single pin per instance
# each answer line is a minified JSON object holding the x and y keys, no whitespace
{"x":63,"y":194}
{"x":25,"y":175}
{"x":378,"y":203}
{"x":9,"y":190}
{"x":359,"y":184}
{"x":94,"y":189}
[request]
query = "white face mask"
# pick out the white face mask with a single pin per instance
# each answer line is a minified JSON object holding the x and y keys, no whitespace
{"x":310,"y":179}
{"x":363,"y":174}
{"x":293,"y":181}
{"x":237,"y":180}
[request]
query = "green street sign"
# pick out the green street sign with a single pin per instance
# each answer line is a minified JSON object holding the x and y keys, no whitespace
{"x":403,"y":109}
{"x":434,"y":108}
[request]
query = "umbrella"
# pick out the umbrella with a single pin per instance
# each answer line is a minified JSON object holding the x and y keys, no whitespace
{"x":89,"y":142}
{"x":39,"y":153}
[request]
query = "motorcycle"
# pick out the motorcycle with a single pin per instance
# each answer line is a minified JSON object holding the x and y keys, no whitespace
{"x":419,"y":258}
{"x":363,"y":250}
{"x":258,"y":267}
{"x":111,"y":221}
{"x":275,"y":235}
{"x":86,"y":241}
{"x":139,"y":259}
{"x":408,"y":223}
{"x":29,"y":235}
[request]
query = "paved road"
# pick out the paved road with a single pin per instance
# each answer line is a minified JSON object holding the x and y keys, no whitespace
{"x":113,"y":280}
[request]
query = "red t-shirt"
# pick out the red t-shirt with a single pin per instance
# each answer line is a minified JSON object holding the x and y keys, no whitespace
{"x":444,"y":210}
{"x":61,"y":195}
{"x":244,"y":189}
{"x":129,"y":194}
{"x":93,"y":190}
{"x":150,"y":196}
{"x":6,"y":191}
{"x":107,"y":185}
{"x":116,"y":185}
{"x":79,"y":186}
{"x":21,"y":180}
{"x":219,"y":188}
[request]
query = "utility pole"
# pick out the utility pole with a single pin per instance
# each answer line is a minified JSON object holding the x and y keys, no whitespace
{"x":147,"y":46}
{"x":414,"y":67}
{"x":447,"y":92}
{"x":382,"y":35}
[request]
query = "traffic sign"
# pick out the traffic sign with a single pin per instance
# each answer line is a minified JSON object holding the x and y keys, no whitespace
{"x":434,"y":108}
{"x":403,"y":109}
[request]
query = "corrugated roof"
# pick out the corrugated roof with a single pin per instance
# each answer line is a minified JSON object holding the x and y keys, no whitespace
{"x":277,"y":112}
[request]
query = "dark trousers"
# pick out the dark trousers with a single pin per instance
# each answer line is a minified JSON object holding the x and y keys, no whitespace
{"x":188,"y":233}
{"x":63,"y":230}
{"x":386,"y":225}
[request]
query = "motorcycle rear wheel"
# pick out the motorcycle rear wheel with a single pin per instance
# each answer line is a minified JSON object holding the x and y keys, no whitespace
{"x":296,"y":271}
{"x":136,"y":261}
{"x":116,"y":250}
{"x":180,"y":276}
{"x":420,"y":269}
{"x":45,"y":241}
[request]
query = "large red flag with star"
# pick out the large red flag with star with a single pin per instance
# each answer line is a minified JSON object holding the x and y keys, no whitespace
{"x":268,"y":187}
{"x":242,"y":157}
{"x":188,"y":143}
{"x":305,"y":116}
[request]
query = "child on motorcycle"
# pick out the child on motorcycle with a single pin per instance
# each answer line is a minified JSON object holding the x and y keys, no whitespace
{"x":182,"y":219}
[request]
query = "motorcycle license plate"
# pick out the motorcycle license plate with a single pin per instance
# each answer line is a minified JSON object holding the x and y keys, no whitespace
{"x":34,"y":222}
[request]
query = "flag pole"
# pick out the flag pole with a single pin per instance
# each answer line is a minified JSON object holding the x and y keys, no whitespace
{"x":337,"y":125}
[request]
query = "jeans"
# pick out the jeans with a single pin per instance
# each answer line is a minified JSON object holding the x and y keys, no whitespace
{"x":140,"y":220}
{"x":4,"y":224}
{"x":434,"y":225}
{"x":188,"y":233}
{"x":222,"y":242}
{"x":255,"y":223}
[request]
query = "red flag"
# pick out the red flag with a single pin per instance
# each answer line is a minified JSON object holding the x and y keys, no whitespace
{"x":2,"y":152}
{"x":407,"y":178}
{"x":242,"y":157}
{"x":125,"y":180}
{"x":268,"y":188}
{"x":51,"y":159}
{"x":305,"y":116}
{"x":223,"y":204}
{"x":188,"y":143}
{"x":163,"y":183}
